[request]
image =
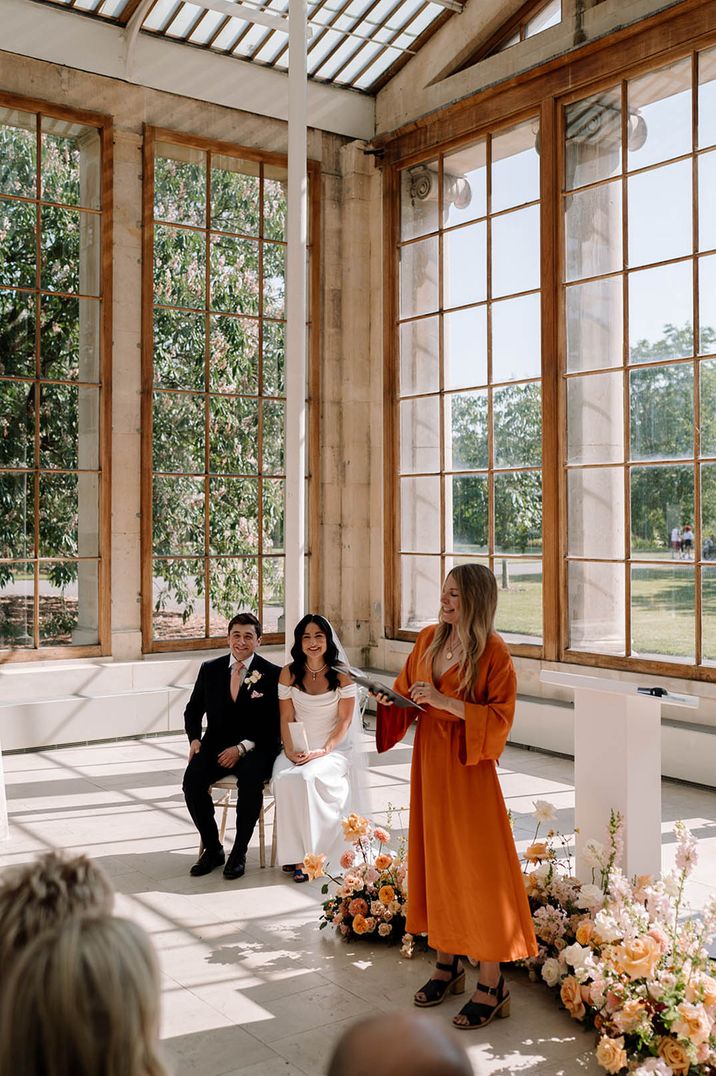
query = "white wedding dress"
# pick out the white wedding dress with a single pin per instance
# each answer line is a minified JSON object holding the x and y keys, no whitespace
{"x":312,"y":799}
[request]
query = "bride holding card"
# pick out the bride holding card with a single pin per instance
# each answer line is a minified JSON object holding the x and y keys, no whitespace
{"x":316,"y":775}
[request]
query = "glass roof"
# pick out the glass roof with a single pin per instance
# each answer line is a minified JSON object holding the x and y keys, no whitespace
{"x":353,"y":43}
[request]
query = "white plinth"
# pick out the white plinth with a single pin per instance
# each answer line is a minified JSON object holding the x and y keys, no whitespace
{"x":617,"y":765}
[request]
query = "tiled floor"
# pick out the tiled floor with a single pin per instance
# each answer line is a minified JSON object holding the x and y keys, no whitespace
{"x":250,"y":985}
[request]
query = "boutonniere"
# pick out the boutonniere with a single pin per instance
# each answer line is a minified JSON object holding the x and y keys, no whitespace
{"x":254,"y":677}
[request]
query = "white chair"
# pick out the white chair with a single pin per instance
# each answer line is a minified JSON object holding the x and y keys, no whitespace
{"x":228,"y":795}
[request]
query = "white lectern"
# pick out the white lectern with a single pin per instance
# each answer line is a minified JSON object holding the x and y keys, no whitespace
{"x":617,"y":764}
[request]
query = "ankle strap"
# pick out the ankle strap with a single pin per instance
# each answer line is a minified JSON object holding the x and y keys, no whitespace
{"x":448,"y":967}
{"x":491,"y":990}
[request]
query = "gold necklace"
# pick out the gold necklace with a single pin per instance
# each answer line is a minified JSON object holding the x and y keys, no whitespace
{"x":454,"y":650}
{"x":317,"y":673}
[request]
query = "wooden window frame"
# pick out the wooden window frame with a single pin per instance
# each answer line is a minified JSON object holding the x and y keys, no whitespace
{"x":104,"y":125}
{"x":152,"y":135}
{"x":652,"y":43}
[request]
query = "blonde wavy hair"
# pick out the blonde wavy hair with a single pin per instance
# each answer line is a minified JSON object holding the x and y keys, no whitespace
{"x":477,"y":588}
{"x":83,"y":1000}
{"x":43,"y":894}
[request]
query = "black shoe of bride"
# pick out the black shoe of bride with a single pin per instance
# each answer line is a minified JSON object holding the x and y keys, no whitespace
{"x":436,"y":990}
{"x":477,"y":1014}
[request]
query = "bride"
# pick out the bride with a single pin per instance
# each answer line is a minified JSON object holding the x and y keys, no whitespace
{"x":314,"y":782}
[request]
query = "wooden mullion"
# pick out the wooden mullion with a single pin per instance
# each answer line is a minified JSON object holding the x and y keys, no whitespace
{"x":261,"y":399}
{"x":391,"y":352}
{"x":221,"y":147}
{"x":207,"y":400}
{"x":218,"y":32}
{"x":626,"y":375}
{"x":696,"y":319}
{"x":129,"y":10}
{"x":104,"y":567}
{"x":36,"y":387}
{"x":490,"y":412}
{"x":442,"y":476}
{"x":146,"y":523}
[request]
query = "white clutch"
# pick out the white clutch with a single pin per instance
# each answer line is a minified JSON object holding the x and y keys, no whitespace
{"x":299,"y":739}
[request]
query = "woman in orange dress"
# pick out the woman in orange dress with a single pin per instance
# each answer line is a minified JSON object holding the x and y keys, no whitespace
{"x":466,"y":889}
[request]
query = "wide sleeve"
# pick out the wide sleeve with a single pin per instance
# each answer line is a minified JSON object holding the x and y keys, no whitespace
{"x":487,"y":725}
{"x":394,"y":721}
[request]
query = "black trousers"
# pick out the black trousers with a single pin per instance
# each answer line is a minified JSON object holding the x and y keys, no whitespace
{"x":250,"y":771}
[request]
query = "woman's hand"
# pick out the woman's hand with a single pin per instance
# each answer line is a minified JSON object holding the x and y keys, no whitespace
{"x":307,"y":756}
{"x":426,"y":694}
{"x":381,"y":698}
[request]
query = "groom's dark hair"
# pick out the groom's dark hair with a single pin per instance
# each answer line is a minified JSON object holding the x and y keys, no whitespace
{"x":245,"y":618}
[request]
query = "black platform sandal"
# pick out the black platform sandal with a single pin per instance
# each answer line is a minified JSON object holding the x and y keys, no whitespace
{"x":480,"y":1015}
{"x":435,"y":990}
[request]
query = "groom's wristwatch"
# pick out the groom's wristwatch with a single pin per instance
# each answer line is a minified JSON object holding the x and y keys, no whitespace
{"x":241,"y":749}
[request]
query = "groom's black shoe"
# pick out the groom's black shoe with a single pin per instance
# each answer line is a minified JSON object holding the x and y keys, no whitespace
{"x":235,"y":866}
{"x":208,"y":861}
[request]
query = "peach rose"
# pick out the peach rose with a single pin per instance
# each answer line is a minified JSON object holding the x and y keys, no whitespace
{"x":381,"y":835}
{"x":347,"y":860}
{"x":537,"y":851}
{"x":313,"y":865}
{"x":358,"y":906}
{"x":386,"y":893}
{"x":383,"y":861}
{"x":351,"y":882}
{"x":360,"y":925}
{"x":370,"y":924}
{"x":611,"y":1054}
{"x":571,"y":996}
{"x":355,"y":826}
{"x":639,"y":957}
{"x":692,"y":1023}
{"x":585,"y":932}
{"x":384,"y":929}
{"x":394,"y":907}
{"x":629,"y":1016}
{"x":702,"y":988}
{"x":675,"y":1056}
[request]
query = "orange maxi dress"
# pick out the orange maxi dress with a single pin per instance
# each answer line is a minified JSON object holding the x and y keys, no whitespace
{"x":465,"y":886}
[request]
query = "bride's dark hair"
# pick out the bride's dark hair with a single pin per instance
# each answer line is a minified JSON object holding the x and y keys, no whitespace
{"x":298,"y":666}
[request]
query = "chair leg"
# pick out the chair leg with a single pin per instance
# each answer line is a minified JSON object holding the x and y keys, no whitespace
{"x":274,"y":836}
{"x":262,"y":838}
{"x":224,"y":804}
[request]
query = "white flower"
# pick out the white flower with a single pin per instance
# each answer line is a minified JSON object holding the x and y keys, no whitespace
{"x":551,"y":971}
{"x":654,"y":1066}
{"x":590,"y":896}
{"x":595,"y":854}
{"x":544,"y":811}
{"x":254,"y":677}
{"x":672,"y":885}
{"x":607,"y":927}
{"x":580,"y":957}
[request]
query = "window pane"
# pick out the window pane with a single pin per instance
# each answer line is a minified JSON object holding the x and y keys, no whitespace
{"x":234,"y":275}
{"x":273,"y":597}
{"x":465,"y":184}
{"x":273,"y":436}
{"x":593,"y":231}
{"x":595,"y":508}
{"x":178,"y":512}
{"x":419,"y":278}
{"x":466,"y":514}
{"x":419,"y":356}
{"x":70,"y":245}
{"x":233,"y":443}
{"x":69,"y":515}
{"x":595,"y":419}
{"x":648,"y":193}
{"x":17,"y":424}
{"x":178,"y":432}
{"x":516,"y":252}
{"x":418,"y":200}
{"x":180,"y":184}
{"x":515,"y":166}
{"x":707,"y":201}
{"x":662,"y":612}
{"x":466,"y":431}
{"x":235,"y":197}
{"x":275,"y":202}
{"x":593,"y":142}
{"x":68,"y":603}
{"x":71,"y":163}
{"x":69,"y":338}
{"x":419,"y":591}
{"x":234,"y":351}
{"x":661,"y":498}
{"x":73,"y":442}
{"x":663,"y":100}
{"x":708,"y":408}
{"x":178,"y":599}
{"x":465,"y":344}
{"x":661,"y":404}
{"x":519,"y":599}
{"x":420,"y":515}
{"x":179,"y":267}
{"x":17,"y":333}
{"x":596,"y":607}
{"x":234,"y":523}
{"x":274,"y":277}
{"x":274,"y":492}
{"x":179,"y":349}
{"x":274,"y":358}
{"x":233,"y":584}
{"x":18,"y":152}
{"x":660,"y":313}
{"x":707,"y":98}
{"x":516,"y":342}
{"x":550,"y":15}
{"x":17,"y":606}
{"x":420,"y":435}
{"x":594,"y":319}
{"x":518,"y":513}
{"x":517,"y":420}
{"x":17,"y":244}
{"x":17,"y":504}
{"x":708,"y":511}
{"x":707,"y":305}
{"x":465,"y":266}
{"x":708,"y":614}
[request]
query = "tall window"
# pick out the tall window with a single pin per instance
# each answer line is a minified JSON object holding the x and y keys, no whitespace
{"x":53,"y":246}
{"x":640,"y":313}
{"x":216,"y":347}
{"x":469,"y":376}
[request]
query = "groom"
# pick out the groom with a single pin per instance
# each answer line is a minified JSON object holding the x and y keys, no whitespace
{"x":239,"y":695}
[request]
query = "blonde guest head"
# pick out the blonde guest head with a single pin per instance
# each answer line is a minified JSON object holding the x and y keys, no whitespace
{"x":83,"y":1000}
{"x":467,"y":619}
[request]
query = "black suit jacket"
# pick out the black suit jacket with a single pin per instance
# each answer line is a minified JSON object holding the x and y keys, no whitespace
{"x":254,"y":715}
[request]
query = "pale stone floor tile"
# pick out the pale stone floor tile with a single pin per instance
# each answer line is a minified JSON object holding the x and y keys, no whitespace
{"x":250,"y":986}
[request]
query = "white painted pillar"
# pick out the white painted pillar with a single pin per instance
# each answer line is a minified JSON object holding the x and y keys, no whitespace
{"x":296,"y":320}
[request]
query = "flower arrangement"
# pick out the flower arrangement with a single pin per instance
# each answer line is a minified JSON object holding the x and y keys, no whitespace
{"x":371,"y":896}
{"x":624,"y":955}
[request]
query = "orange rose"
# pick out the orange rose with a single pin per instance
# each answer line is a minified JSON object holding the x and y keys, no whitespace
{"x":629,"y":1016}
{"x":360,"y":925}
{"x":585,"y":931}
{"x":358,"y":906}
{"x":571,"y":995}
{"x":692,"y":1023}
{"x":639,"y":958}
{"x":675,"y":1056}
{"x":386,"y":893}
{"x":313,"y":865}
{"x":355,"y":826}
{"x":611,"y":1054}
{"x":383,"y":861}
{"x":537,"y":851}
